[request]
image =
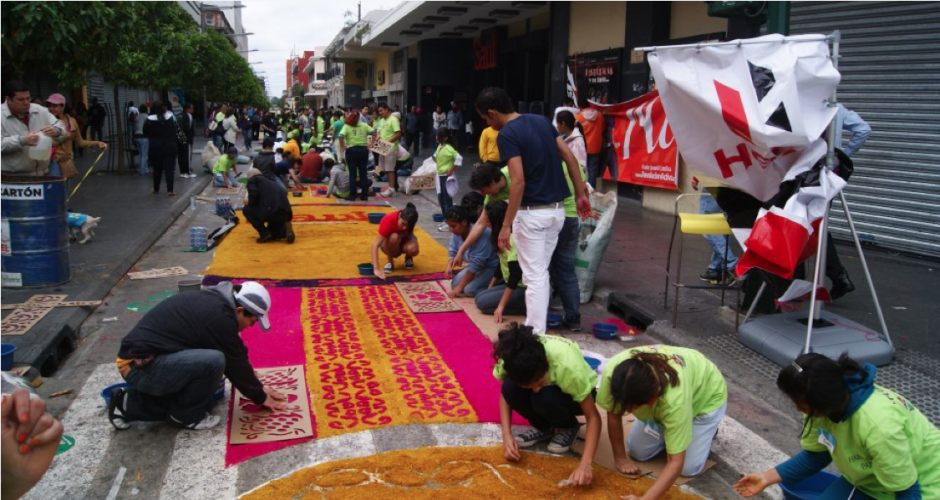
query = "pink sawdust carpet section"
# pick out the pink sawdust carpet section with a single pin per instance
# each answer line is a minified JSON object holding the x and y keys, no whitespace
{"x":417,"y":365}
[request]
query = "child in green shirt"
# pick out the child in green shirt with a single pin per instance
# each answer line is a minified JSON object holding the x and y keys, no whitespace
{"x":446,"y":158}
{"x":547,"y":381}
{"x":883,"y":446}
{"x":668,"y":389}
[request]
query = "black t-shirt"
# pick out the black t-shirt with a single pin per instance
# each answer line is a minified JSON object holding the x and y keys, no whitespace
{"x":532,"y":138}
{"x":196,"y":320}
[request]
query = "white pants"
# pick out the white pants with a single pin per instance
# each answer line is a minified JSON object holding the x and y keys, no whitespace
{"x":536,"y":234}
{"x":644,"y":444}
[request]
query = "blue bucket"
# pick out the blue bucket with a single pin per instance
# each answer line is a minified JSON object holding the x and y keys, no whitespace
{"x":594,"y":363}
{"x":553,"y":320}
{"x":376,"y":217}
{"x":6,"y":356}
{"x":438,"y":217}
{"x":106,"y":392}
{"x":605,"y":331}
{"x":810,"y":488}
{"x":35,"y":219}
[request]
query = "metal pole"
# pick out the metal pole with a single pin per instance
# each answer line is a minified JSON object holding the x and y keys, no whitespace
{"x":861,"y":255}
{"x":750,"y":41}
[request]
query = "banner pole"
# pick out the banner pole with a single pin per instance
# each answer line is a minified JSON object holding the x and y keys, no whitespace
{"x":796,"y":39}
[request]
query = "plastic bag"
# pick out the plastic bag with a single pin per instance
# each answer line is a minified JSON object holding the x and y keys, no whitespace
{"x":424,"y":177}
{"x":593,"y":240}
{"x":209,"y":154}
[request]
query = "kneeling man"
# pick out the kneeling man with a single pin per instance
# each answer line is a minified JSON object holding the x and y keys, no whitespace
{"x":175,"y":357}
{"x":268,"y":209}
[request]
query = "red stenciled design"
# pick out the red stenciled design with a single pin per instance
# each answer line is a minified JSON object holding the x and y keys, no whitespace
{"x":347,"y":217}
{"x":347,"y":381}
{"x":428,"y":388}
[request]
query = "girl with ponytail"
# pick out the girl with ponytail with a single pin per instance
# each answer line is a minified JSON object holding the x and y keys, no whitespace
{"x":546,"y":380}
{"x":883,"y":446}
{"x":396,"y":237}
{"x":678,"y":398}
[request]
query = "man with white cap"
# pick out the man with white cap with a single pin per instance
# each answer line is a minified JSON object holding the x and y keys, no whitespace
{"x":173,"y":359}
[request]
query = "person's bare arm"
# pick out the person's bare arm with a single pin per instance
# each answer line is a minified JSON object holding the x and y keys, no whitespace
{"x":582,"y":476}
{"x":574,"y":171}
{"x":376,"y":269}
{"x":516,"y":188}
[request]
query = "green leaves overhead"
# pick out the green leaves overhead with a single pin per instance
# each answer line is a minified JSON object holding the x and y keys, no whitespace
{"x":133,"y":44}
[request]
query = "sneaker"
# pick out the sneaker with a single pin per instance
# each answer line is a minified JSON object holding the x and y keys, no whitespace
{"x":208,"y":422}
{"x":709,"y":275}
{"x":531,"y":437}
{"x":289,"y":230}
{"x":573,"y":325}
{"x":563,"y":439}
{"x":555,"y":304}
{"x":116,"y":409}
{"x":265,"y":238}
{"x":389,"y":267}
{"x":443,"y":228}
{"x":409,"y":263}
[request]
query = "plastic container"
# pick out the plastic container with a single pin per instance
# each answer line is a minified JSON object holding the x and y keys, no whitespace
{"x":376,"y":217}
{"x":198,"y":239}
{"x":438,"y":217}
{"x":42,"y":151}
{"x":594,"y":363}
{"x":365,"y":269}
{"x":297,"y":194}
{"x":554,"y":320}
{"x":810,"y":488}
{"x":190,"y":285}
{"x":35,"y":232}
{"x":605,"y":331}
{"x":6,"y":356}
{"x":106,"y":392}
{"x":321,"y":192}
{"x":376,"y":189}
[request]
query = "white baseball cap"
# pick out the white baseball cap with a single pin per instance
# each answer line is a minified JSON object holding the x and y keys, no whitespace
{"x":256,"y":300}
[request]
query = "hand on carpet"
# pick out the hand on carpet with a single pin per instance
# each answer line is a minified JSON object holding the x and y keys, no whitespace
{"x":511,"y":449}
{"x":379,"y":273}
{"x":582,"y":476}
{"x":498,"y":315}
{"x":455,"y":292}
{"x":274,"y":393}
{"x":273,"y":404}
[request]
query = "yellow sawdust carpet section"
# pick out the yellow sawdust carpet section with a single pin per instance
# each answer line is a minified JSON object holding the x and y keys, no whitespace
{"x":436,"y":473}
{"x":370,"y":363}
{"x":331,"y":241}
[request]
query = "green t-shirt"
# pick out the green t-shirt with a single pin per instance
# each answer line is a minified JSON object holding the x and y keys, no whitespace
{"x":318,"y":133}
{"x":571,"y":205}
{"x":701,"y":390}
{"x":338,"y":127}
{"x":356,"y":136}
{"x":567,"y":368}
{"x":884,"y":447}
{"x":224,"y":164}
{"x":503,"y":194}
{"x":446,"y":156}
{"x":509,"y":256}
{"x":387,"y":128}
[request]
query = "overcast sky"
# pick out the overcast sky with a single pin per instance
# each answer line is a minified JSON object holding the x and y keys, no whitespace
{"x":279,"y":26}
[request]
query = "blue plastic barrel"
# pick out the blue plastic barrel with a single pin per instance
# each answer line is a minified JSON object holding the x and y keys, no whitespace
{"x":35,"y":232}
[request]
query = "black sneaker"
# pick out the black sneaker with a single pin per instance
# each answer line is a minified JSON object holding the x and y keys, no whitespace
{"x":207,"y":422}
{"x":709,"y":276}
{"x":572,"y":325}
{"x":531,"y":437}
{"x":116,"y":409}
{"x":409,"y":263}
{"x":289,"y":230}
{"x":563,"y":439}
{"x":265,"y":238}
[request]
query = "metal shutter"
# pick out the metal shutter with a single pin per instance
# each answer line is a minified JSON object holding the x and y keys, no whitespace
{"x":890,"y":65}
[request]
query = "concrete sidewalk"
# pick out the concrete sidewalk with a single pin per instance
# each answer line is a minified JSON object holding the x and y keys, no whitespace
{"x":132,"y":220}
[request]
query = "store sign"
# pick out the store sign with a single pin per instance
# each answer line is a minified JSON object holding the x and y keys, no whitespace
{"x":597,"y":75}
{"x":646,"y":149}
{"x":484,"y":56}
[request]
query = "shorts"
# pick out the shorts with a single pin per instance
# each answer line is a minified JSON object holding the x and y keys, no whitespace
{"x":387,"y":163}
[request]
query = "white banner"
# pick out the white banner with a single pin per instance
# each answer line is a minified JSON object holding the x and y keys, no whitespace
{"x":749,"y":115}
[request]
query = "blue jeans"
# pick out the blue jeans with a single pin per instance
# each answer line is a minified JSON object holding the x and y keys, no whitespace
{"x":443,"y":198}
{"x":561,"y":269}
{"x":719,"y":243}
{"x":488,"y":300}
{"x":608,"y":162}
{"x":178,"y":385}
{"x":643,"y":445}
{"x":842,"y":489}
{"x":143,"y":151}
{"x":218,"y":180}
{"x":357,"y":162}
{"x":592,"y":162}
{"x":478,"y":283}
{"x":218,"y":141}
{"x":55,"y":169}
{"x":246,"y":134}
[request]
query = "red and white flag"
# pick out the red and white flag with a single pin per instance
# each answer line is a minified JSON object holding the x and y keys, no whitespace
{"x":753,"y":116}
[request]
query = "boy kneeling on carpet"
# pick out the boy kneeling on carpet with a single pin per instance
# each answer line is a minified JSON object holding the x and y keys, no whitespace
{"x":547,"y":381}
{"x":175,"y":357}
{"x":396,"y":237}
{"x":267,"y":203}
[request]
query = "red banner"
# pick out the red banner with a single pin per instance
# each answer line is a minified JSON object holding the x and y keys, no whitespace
{"x":645,"y":148}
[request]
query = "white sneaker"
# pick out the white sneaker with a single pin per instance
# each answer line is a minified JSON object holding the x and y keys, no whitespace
{"x":443,"y":228}
{"x":208,"y":422}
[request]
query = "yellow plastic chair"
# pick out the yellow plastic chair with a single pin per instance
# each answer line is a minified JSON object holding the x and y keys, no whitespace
{"x":695,"y":223}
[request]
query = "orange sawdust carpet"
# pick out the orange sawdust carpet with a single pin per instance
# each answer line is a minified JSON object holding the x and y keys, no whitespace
{"x":331,"y":241}
{"x":435,"y":473}
{"x":371,"y":364}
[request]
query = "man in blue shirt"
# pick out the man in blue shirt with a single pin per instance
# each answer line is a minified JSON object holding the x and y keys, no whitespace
{"x":533,"y":151}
